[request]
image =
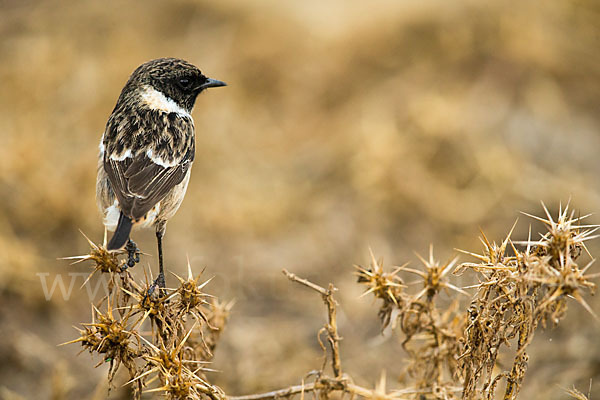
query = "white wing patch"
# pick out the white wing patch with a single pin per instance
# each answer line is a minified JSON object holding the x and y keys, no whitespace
{"x":122,"y":156}
{"x":160,"y":161}
{"x":158,"y":101}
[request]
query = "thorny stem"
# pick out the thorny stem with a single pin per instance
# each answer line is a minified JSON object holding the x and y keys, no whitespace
{"x":339,"y":383}
{"x":331,"y":327}
{"x":343,"y":385}
{"x":323,"y":383}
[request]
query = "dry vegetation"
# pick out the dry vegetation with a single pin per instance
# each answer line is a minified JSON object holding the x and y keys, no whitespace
{"x":345,"y":125}
{"x":451,"y":351}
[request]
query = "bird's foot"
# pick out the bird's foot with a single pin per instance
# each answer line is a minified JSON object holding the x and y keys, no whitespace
{"x":133,"y":255}
{"x":159,"y":283}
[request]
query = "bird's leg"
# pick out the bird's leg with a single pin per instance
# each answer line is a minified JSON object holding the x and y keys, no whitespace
{"x":133,"y":255}
{"x":160,"y":279}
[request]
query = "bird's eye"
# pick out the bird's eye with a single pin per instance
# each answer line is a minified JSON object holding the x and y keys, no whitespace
{"x":185,"y":83}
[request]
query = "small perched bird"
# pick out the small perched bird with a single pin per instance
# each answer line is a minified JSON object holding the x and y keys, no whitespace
{"x":147,"y":151}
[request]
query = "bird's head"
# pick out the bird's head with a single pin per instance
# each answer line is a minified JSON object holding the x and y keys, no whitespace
{"x":177,"y":80}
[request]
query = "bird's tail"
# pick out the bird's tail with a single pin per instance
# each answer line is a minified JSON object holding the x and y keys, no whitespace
{"x":121,"y":234}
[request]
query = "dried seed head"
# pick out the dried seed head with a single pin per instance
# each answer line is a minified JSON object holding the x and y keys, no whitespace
{"x":104,"y":261}
{"x":434,"y":276}
{"x":386,"y":286}
{"x":191,"y":298}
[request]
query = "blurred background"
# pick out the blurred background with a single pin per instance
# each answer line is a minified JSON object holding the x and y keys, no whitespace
{"x":346,"y":125}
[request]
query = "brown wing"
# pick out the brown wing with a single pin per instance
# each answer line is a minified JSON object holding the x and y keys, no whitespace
{"x":139,"y":183}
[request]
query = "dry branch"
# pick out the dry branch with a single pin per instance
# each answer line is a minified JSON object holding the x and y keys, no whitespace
{"x":323,"y":384}
{"x":331,"y":326}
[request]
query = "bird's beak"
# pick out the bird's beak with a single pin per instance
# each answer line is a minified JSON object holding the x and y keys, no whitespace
{"x":212,"y":83}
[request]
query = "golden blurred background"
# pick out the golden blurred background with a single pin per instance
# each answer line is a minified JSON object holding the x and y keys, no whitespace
{"x":346,"y":125}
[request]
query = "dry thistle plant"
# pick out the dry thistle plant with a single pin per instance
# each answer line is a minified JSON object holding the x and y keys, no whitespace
{"x":431,"y":334}
{"x":452,"y":351}
{"x":185,"y":326}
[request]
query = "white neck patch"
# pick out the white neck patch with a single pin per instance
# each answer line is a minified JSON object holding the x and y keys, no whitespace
{"x":156,"y":100}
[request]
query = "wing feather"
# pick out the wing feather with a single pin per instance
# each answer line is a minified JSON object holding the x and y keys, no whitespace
{"x":140,"y":183}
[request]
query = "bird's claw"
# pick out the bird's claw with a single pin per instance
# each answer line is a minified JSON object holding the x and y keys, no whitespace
{"x":133,"y":255}
{"x":159,"y":283}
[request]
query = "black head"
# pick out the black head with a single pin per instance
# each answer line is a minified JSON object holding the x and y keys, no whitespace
{"x":177,"y":79}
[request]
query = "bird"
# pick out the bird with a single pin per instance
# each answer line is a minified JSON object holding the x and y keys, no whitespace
{"x":146,"y":153}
